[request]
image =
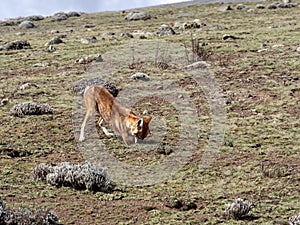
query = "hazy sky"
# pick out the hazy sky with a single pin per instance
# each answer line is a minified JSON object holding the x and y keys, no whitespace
{"x":15,"y":8}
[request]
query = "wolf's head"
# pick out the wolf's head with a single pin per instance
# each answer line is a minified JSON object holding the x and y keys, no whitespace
{"x":140,"y":127}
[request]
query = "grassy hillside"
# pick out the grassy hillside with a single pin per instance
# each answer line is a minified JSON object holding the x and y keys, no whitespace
{"x":257,"y":69}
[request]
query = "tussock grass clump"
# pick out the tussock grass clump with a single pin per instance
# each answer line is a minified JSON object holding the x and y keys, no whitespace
{"x":238,"y":209}
{"x":295,"y":220}
{"x":87,"y":176}
{"x":25,"y":216}
{"x":80,"y":85}
{"x":31,"y":108}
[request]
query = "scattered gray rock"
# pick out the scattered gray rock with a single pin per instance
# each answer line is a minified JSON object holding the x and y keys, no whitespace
{"x":189,"y":25}
{"x":54,"y":41}
{"x":80,"y":85}
{"x":260,"y":6}
{"x":89,"y":40}
{"x":30,"y":108}
{"x":272,"y":6}
{"x":137,"y":16}
{"x":229,"y":36}
{"x":89,"y":25}
{"x":241,"y":7}
{"x":3,"y":102}
{"x":15,"y":45}
{"x":165,"y":30}
{"x":17,"y":21}
{"x":27,"y":85}
{"x":126,"y":35}
{"x":89,"y":59}
{"x":20,"y":34}
{"x":142,"y":34}
{"x":87,"y":176}
{"x":140,"y":76}
{"x":295,"y":220}
{"x":54,"y":32}
{"x":26,"y":24}
{"x":59,"y":16}
{"x":238,"y":209}
{"x":41,"y":64}
{"x":50,"y":48}
{"x":73,"y":14}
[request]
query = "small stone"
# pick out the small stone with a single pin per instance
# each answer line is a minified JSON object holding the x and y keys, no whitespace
{"x":26,"y":25}
{"x":165,"y":30}
{"x":241,"y":7}
{"x":20,"y":34}
{"x":88,"y":40}
{"x":260,"y":6}
{"x":272,"y":6}
{"x":126,"y":35}
{"x":89,"y":25}
{"x":140,"y":76}
{"x":228,"y":36}
{"x":54,"y":32}
{"x":137,"y":16}
{"x":298,"y":49}
{"x":4,"y":101}
{"x":53,"y":41}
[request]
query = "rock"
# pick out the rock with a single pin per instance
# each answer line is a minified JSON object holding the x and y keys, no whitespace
{"x":298,"y":49}
{"x":241,"y":7}
{"x":17,"y":21}
{"x":15,"y":45}
{"x":137,"y":16}
{"x":54,"y":32}
{"x":272,"y":6}
{"x":142,"y":34}
{"x":54,"y":41}
{"x":41,"y":64}
{"x":277,"y":46}
{"x":228,"y":36}
{"x":89,"y":25}
{"x":140,"y":76}
{"x":126,"y":35}
{"x":260,"y":6}
{"x":89,"y":59}
{"x":88,"y":40}
{"x":27,"y":85}
{"x":4,"y":101}
{"x":59,"y":16}
{"x":73,"y":14}
{"x":26,"y":24}
{"x":165,"y":30}
{"x":50,"y":48}
{"x":20,"y":34}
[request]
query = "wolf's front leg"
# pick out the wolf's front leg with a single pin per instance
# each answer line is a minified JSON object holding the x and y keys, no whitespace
{"x":100,"y":122}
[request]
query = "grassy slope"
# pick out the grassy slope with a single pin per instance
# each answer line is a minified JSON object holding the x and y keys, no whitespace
{"x":262,"y":125}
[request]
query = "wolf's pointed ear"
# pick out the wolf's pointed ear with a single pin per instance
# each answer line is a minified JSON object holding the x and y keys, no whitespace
{"x":140,"y":123}
{"x":148,"y":119}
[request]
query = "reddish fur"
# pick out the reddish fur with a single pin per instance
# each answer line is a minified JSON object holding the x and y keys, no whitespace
{"x":120,"y":119}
